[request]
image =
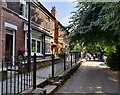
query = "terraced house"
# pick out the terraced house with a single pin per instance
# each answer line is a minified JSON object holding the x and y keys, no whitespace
{"x":14,"y":29}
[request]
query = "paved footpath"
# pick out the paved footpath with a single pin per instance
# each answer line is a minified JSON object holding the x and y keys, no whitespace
{"x":92,"y":77}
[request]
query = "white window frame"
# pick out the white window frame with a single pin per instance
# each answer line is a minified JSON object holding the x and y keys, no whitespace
{"x":36,"y":39}
{"x":13,"y":52}
{"x":25,"y":10}
{"x":32,"y":53}
{"x":50,"y":50}
{"x":47,"y":40}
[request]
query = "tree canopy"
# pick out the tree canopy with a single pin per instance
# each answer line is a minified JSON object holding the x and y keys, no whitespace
{"x":96,"y":25}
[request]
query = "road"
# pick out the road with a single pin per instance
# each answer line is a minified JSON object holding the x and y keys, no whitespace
{"x":91,"y":77}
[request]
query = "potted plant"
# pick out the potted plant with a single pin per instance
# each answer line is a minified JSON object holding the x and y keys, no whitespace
{"x":22,"y":60}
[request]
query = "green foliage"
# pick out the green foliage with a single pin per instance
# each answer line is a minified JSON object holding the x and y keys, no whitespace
{"x":95,"y":22}
{"x":96,"y":26}
{"x":113,"y":61}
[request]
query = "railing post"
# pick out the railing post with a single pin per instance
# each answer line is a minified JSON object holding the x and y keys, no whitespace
{"x":64,"y":62}
{"x":2,"y":79}
{"x":52,"y":65}
{"x":71,"y":59}
{"x":34,"y":72}
{"x":44,"y":92}
{"x":75,"y":57}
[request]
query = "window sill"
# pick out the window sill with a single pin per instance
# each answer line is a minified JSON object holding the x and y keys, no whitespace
{"x":23,"y":17}
{"x":37,"y":54}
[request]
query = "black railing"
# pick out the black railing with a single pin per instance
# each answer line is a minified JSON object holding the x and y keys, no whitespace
{"x":67,"y":61}
{"x":17,"y":78}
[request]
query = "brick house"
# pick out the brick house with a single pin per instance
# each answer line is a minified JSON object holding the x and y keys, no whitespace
{"x":60,"y":33}
{"x":14,"y":27}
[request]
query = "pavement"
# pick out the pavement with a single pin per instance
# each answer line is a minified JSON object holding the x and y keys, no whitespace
{"x":92,"y":77}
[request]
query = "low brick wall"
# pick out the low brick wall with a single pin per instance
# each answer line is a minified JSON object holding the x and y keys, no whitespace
{"x":23,"y":67}
{"x":46,"y":62}
{"x":4,"y":75}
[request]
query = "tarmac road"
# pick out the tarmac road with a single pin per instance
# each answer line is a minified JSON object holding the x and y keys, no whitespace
{"x":91,"y":77}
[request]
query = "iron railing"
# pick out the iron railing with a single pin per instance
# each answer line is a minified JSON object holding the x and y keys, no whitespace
{"x":17,"y":78}
{"x":68,"y":60}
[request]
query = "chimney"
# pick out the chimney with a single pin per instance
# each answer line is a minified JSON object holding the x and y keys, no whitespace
{"x":53,"y":11}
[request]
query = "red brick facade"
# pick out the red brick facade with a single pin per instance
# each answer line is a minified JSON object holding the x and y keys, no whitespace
{"x":41,"y":20}
{"x":58,"y":32}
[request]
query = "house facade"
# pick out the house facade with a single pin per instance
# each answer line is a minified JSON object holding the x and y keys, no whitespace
{"x":14,"y":29}
{"x":60,"y":34}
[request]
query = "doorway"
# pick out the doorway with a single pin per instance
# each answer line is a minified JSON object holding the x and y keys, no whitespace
{"x":9,"y":46}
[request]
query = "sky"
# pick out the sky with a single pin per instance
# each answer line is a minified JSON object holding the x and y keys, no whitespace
{"x":63,"y":9}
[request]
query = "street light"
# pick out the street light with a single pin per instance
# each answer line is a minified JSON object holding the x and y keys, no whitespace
{"x":29,"y":39}
{"x":52,"y":48}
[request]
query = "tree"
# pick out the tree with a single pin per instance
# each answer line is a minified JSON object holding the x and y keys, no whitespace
{"x":89,"y":24}
{"x":96,"y":26}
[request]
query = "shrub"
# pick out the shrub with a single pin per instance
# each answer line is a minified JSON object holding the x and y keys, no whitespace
{"x":113,"y":61}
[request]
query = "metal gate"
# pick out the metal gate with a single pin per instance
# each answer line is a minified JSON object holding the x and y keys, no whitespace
{"x":16,"y":78}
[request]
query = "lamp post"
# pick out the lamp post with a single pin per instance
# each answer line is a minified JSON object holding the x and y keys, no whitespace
{"x":52,"y":64}
{"x":29,"y":39}
{"x":52,"y":47}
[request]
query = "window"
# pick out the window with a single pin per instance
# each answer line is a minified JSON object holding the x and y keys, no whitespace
{"x":47,"y":22}
{"x":47,"y":45}
{"x":24,"y":8}
{"x":38,"y":46}
{"x":36,"y":42}
{"x":33,"y":45}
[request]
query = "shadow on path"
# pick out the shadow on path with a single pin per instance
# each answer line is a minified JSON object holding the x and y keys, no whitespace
{"x":91,"y":78}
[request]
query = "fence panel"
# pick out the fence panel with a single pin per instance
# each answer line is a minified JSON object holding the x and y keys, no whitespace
{"x":16,"y":78}
{"x":67,"y":61}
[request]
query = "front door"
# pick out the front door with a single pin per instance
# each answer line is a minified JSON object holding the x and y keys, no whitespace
{"x":9,"y":47}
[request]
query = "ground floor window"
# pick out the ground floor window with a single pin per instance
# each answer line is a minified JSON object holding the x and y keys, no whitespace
{"x":47,"y":44}
{"x":36,"y":42}
{"x":36,"y":45}
{"x":47,"y":47}
{"x":33,"y":45}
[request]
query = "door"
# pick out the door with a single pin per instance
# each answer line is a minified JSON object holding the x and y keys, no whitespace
{"x":9,"y":47}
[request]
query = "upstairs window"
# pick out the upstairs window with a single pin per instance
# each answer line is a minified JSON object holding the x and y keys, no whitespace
{"x":23,"y":8}
{"x":47,"y":22}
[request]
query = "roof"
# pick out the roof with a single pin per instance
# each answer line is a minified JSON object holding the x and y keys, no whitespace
{"x":63,"y":27}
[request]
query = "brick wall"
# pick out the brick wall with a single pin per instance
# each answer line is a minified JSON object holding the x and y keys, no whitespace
{"x":19,"y":33}
{"x":39,"y":17}
{"x":14,"y":6}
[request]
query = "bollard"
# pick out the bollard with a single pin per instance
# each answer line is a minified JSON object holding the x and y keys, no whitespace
{"x":64,"y":62}
{"x":44,"y":92}
{"x":34,"y":72}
